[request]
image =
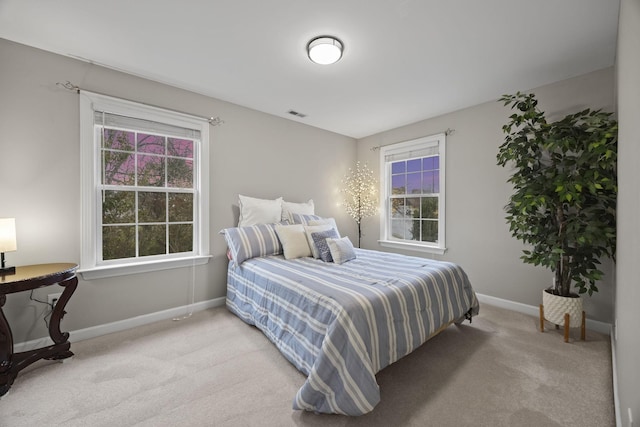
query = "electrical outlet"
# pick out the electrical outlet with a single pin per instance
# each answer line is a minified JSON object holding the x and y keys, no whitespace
{"x":52,"y":299}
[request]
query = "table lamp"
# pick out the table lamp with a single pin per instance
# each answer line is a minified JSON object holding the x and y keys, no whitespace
{"x":7,"y":242}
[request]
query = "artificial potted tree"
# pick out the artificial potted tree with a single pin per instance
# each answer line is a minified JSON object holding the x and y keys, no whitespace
{"x":564,"y":202}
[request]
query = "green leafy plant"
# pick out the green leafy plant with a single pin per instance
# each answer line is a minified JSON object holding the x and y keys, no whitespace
{"x":565,"y":188}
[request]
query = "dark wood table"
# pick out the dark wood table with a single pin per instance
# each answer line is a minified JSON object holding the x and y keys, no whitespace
{"x":25,"y":279}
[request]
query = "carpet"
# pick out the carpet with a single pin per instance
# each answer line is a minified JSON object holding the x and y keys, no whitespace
{"x":214,"y":370}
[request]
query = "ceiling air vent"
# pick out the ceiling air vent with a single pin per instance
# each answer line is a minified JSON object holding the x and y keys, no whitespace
{"x":296,"y":113}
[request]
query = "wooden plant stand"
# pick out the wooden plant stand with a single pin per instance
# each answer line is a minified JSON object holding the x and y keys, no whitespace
{"x":567,"y":325}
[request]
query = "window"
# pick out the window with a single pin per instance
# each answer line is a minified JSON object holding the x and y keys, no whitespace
{"x":412,"y":176}
{"x":144,"y":187}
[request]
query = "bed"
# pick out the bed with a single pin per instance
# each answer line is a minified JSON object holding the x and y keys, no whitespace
{"x":340,"y":324}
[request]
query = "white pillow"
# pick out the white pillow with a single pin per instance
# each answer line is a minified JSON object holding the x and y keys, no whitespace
{"x":258,"y":211}
{"x":325,"y":221}
{"x":308,"y":229}
{"x":341,"y":250}
{"x":294,"y":241}
{"x":289,"y":208}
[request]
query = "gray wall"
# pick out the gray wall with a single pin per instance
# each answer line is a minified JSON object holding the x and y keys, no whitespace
{"x":477,"y":236}
{"x":628,"y":253}
{"x":39,"y":171}
{"x":251,"y":153}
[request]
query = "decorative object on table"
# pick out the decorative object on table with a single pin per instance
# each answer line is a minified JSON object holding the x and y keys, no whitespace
{"x":7,"y":242}
{"x":564,"y":200}
{"x":360,"y":194}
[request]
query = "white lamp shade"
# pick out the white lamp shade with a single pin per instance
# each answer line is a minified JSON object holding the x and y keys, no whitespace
{"x":8,"y":235}
{"x":324,"y":50}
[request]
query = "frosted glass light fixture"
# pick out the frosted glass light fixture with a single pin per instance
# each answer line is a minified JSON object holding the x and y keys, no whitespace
{"x":324,"y":50}
{"x":7,"y":242}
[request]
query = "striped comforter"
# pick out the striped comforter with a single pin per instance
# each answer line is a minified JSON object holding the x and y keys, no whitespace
{"x":341,"y":324}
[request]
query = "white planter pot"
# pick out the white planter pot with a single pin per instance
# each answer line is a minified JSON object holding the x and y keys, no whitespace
{"x":556,"y":306}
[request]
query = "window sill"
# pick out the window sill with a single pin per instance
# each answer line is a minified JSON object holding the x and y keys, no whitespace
{"x":141,"y":267}
{"x":412,"y":247}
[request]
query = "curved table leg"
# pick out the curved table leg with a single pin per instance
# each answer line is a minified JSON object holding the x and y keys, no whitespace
{"x":58,"y":313}
{"x":6,"y":351}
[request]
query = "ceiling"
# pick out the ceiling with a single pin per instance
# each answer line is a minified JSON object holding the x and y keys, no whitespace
{"x":404,"y":60}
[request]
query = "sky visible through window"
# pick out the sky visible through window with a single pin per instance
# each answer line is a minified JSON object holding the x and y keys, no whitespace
{"x":415,"y":185}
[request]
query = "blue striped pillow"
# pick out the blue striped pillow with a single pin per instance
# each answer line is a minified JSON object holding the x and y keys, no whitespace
{"x":303,"y":219}
{"x":252,"y":241}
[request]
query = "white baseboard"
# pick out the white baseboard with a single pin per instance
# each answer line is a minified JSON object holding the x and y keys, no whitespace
{"x":121,"y":325}
{"x":594,"y":325}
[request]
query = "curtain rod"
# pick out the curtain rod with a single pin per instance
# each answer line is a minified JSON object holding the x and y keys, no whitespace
{"x":213,"y":121}
{"x":447,"y":132}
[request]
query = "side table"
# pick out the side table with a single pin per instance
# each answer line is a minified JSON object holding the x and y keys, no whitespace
{"x":27,"y":278}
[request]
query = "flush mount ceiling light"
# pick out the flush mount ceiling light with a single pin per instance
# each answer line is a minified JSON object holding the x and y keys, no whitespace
{"x":324,"y":50}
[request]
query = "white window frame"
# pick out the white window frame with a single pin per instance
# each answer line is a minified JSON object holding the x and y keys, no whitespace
{"x":91,"y":267}
{"x":406,"y":148}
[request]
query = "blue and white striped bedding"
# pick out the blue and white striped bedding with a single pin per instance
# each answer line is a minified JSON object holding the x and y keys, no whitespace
{"x":342,"y":323}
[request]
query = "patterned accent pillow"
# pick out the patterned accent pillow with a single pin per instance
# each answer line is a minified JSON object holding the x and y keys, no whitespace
{"x":341,"y":250}
{"x":251,"y":242}
{"x":320,"y":240}
{"x":296,"y":218}
{"x":308,"y":229}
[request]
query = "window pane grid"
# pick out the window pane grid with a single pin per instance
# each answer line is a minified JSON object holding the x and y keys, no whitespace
{"x":414,"y":218}
{"x":147,"y":178}
{"x":413,"y":191}
{"x":134,"y":158}
{"x":417,"y":176}
{"x":149,"y":232}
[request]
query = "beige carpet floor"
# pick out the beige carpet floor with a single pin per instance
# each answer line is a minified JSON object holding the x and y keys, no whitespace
{"x":214,"y":370}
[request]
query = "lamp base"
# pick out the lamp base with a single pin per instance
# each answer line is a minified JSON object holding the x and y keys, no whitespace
{"x":7,"y":270}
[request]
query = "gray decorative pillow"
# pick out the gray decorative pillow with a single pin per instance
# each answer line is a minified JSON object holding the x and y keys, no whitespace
{"x":341,"y":250}
{"x":320,"y":240}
